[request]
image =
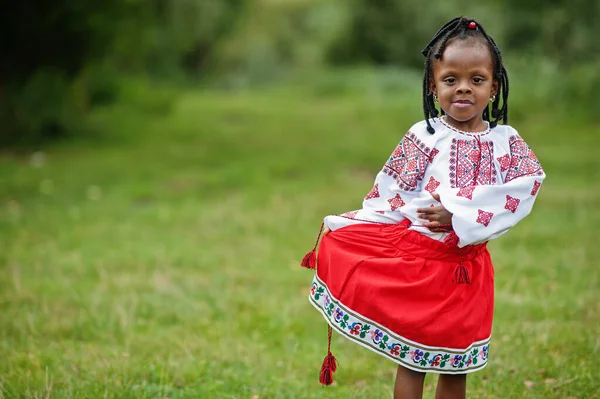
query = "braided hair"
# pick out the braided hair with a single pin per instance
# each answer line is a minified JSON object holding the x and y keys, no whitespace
{"x":463,"y":28}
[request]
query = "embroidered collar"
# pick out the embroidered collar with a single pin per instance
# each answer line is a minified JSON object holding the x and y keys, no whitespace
{"x":481,"y":133}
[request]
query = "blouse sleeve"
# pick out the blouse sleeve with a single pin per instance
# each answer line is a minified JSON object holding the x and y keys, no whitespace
{"x":482,"y":213}
{"x":398,"y":183}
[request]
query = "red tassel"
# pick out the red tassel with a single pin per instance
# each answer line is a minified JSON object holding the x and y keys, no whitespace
{"x":461,"y":275}
{"x":329,"y":363}
{"x":327,"y":369}
{"x":310,"y":259}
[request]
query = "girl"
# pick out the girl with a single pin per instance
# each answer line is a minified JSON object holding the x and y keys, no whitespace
{"x":409,"y":275}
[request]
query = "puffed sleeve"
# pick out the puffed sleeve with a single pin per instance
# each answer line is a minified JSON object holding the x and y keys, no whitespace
{"x":484,"y":212}
{"x":398,"y":183}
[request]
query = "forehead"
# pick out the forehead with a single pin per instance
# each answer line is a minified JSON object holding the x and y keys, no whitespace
{"x":466,"y":55}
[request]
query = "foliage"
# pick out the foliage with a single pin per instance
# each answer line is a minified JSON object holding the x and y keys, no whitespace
{"x":277,"y":37}
{"x":561,"y":30}
{"x":64,"y":57}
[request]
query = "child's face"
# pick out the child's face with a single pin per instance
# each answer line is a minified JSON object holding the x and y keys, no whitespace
{"x":463,"y":81}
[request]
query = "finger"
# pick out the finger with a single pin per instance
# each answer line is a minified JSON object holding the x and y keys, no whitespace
{"x":326,"y":231}
{"x":436,"y":197}
{"x":430,"y":218}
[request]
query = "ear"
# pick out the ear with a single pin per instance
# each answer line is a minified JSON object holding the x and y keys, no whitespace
{"x":433,"y":89}
{"x":495,"y":86}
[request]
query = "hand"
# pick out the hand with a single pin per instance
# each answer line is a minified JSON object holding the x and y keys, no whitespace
{"x":326,"y":231}
{"x":437,"y":216}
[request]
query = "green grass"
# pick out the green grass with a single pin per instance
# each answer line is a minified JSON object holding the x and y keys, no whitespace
{"x":162,"y":260}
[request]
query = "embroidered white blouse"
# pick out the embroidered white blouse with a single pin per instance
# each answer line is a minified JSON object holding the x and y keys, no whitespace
{"x":488,"y":180}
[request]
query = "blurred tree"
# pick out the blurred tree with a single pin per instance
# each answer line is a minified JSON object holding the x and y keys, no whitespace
{"x":391,"y":31}
{"x":60,"y":57}
{"x":45,"y":47}
{"x":563,"y":30}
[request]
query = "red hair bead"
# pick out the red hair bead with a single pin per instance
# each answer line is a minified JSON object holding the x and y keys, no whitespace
{"x":472,"y":25}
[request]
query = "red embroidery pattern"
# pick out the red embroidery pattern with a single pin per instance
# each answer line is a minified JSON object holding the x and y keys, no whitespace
{"x":408,"y":162}
{"x":471,"y":163}
{"x":433,"y":153}
{"x":536,"y":187}
{"x":432,"y":185}
{"x":396,"y":202}
{"x":349,"y":215}
{"x":523,"y":161}
{"x":466,"y":192}
{"x":380,"y":212}
{"x":374,"y":193}
{"x":484,"y":217}
{"x":512,"y":203}
{"x":504,"y":162}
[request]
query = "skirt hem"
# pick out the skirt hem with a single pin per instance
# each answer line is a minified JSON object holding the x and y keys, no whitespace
{"x":407,"y":353}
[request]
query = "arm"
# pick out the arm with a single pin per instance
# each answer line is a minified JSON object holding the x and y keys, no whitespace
{"x":482,"y":213}
{"x":396,"y":184}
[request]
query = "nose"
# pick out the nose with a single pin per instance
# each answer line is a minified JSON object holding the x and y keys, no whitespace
{"x":464,"y":88}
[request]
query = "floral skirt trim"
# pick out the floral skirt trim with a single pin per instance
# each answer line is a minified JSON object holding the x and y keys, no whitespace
{"x":407,"y":353}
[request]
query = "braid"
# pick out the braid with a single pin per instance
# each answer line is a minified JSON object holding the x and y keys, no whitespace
{"x":459,"y":28}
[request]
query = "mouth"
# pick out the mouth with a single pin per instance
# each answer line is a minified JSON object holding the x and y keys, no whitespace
{"x":462,"y":103}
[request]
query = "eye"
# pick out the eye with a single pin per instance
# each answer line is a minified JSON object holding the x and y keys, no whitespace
{"x":450,"y":80}
{"x":477,"y":80}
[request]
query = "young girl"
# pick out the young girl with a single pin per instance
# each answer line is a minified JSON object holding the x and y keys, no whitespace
{"x":409,"y":275}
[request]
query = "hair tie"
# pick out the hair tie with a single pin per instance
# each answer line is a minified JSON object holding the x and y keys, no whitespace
{"x":473,"y":25}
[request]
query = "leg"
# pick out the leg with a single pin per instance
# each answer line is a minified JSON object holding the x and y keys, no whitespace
{"x":409,"y":384}
{"x":451,"y":386}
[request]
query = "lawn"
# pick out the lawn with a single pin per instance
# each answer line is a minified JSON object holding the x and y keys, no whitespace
{"x":161,"y":259}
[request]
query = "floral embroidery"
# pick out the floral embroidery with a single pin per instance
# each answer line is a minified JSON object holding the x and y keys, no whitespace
{"x":523,"y":161}
{"x":504,"y":161}
{"x":457,"y":361}
{"x":355,"y":328}
{"x":376,"y":336}
{"x":471,"y":163}
{"x":484,"y":352}
{"x":408,"y":162}
{"x":536,"y":187}
{"x":466,"y":192}
{"x":396,"y":202}
{"x":512,"y":203}
{"x":414,"y":356}
{"x":350,"y":215}
{"x":432,"y":185}
{"x":484,"y":217}
{"x":326,"y":300}
{"x":433,"y":153}
{"x":374,"y":193}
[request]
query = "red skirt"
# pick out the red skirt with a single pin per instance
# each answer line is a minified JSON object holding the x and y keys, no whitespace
{"x":414,"y":300}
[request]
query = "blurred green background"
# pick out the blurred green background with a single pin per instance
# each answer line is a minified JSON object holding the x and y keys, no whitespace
{"x":164,"y":166}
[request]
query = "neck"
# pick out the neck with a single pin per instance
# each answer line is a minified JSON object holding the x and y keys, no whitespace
{"x":474,"y":125}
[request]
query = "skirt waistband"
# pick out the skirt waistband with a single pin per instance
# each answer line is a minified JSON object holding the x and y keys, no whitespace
{"x":417,"y":244}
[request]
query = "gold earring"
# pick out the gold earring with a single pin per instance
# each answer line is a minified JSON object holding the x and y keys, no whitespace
{"x":435,"y":99}
{"x":493,"y":99}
